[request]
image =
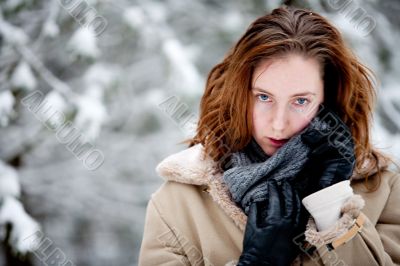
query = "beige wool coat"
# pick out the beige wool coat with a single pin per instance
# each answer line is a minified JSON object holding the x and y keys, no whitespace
{"x":192,"y":220}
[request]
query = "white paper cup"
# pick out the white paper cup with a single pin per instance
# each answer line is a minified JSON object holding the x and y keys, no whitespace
{"x":325,"y":204}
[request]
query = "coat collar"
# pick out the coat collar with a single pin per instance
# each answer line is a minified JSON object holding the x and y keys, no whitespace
{"x":192,"y":166}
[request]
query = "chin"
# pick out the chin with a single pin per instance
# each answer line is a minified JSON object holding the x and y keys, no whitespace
{"x":269,"y":151}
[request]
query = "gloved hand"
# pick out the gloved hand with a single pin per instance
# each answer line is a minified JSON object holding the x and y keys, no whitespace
{"x":269,"y":240}
{"x":331,"y":159}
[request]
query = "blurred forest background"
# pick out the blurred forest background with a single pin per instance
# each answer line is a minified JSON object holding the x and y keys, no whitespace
{"x":84,"y":86}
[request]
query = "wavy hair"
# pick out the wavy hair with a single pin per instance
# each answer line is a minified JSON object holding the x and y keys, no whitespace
{"x":225,"y":122}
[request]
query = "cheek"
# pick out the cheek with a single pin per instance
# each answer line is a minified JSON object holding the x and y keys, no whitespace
{"x":301,"y":125}
{"x":301,"y":121}
{"x":260,"y":119}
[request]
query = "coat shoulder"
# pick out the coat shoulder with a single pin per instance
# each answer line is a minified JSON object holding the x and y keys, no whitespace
{"x":391,"y":179}
{"x":171,"y":191}
{"x":387,"y":178}
{"x":394,"y":177}
{"x":173,"y":197}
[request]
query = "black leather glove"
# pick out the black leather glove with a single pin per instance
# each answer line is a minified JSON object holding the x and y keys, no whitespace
{"x":269,"y":240}
{"x":331,"y":159}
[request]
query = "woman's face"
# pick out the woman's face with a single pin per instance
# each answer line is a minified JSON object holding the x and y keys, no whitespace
{"x":285,"y":95}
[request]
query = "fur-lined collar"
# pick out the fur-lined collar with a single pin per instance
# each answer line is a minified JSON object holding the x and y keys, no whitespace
{"x":190,"y":166}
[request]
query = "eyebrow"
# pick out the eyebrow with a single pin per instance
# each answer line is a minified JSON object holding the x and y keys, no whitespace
{"x":297,"y":94}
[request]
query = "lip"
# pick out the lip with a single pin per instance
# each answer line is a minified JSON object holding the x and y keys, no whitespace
{"x":278,"y":142}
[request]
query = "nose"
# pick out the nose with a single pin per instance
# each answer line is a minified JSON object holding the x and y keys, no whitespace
{"x":280,"y":120}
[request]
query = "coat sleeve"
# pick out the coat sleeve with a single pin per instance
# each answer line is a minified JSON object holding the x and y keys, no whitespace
{"x":373,"y":245}
{"x":160,"y":243}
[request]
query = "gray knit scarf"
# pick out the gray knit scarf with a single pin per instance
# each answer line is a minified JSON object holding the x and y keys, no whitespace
{"x":251,"y":168}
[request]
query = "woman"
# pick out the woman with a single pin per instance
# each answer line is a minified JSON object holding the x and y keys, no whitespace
{"x":285,"y":115}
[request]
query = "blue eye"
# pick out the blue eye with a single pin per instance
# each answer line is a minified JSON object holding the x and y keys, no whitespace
{"x":263,"y":97}
{"x":302,"y":101}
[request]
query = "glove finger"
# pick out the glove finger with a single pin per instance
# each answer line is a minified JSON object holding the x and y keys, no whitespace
{"x":274,"y":202}
{"x":296,"y":207}
{"x":336,"y":170}
{"x":329,"y":173}
{"x":252,"y":216}
{"x":341,"y":135}
{"x":311,"y":137}
{"x":287,"y":194}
